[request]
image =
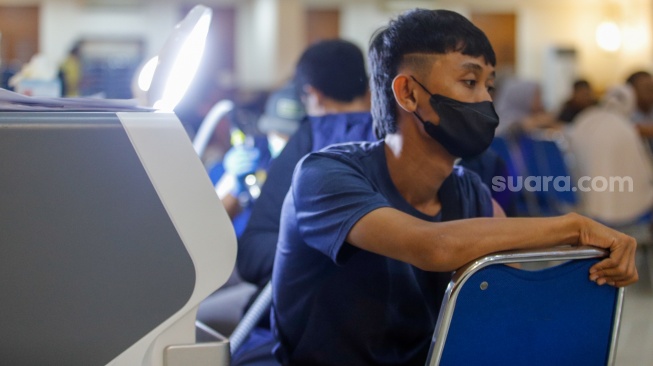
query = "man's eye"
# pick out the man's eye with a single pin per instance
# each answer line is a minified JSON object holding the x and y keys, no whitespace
{"x":491,"y":89}
{"x":470,"y":83}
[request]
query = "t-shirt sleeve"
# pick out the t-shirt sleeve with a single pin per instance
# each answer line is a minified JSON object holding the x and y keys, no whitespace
{"x":331,"y":193}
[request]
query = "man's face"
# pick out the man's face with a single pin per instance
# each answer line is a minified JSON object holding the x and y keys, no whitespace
{"x":643,"y":86}
{"x":461,"y":77}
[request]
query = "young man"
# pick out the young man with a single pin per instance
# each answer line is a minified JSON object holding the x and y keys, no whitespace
{"x":371,"y":231}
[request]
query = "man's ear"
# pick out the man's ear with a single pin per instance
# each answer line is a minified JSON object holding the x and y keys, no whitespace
{"x":318,"y":96}
{"x":404,"y":92}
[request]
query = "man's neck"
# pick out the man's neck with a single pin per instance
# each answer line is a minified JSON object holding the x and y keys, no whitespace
{"x":417,"y":168}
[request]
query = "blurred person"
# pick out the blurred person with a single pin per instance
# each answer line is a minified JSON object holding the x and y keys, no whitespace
{"x":642,"y":84}
{"x":582,"y":97}
{"x":246,"y":163}
{"x":371,"y":231}
{"x":606,"y":145}
{"x":333,"y":82}
{"x":519,"y":106}
{"x":70,"y":72}
{"x":242,"y":172}
{"x":642,"y":115}
{"x":332,"y":79}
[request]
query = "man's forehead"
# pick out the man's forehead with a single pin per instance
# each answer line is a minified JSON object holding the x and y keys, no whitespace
{"x":457,"y":60}
{"x":453,"y":61}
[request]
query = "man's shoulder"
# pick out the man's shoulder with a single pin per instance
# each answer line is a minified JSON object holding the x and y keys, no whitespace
{"x":468,"y":182}
{"x":349,"y":151}
{"x":471,"y":191}
{"x":339,"y":158}
{"x":466,"y":177}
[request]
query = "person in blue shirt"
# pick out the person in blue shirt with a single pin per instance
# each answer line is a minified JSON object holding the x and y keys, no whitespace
{"x":256,"y":142}
{"x":333,"y":83}
{"x":370,"y":232}
{"x":254,"y":146}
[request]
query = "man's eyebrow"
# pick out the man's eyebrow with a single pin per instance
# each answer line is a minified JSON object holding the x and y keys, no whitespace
{"x":474,"y":67}
{"x":470,"y":66}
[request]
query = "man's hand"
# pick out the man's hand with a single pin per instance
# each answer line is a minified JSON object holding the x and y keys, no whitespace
{"x":619,"y":268}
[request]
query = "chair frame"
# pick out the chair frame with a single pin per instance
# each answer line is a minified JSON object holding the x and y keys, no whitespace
{"x":461,"y":276}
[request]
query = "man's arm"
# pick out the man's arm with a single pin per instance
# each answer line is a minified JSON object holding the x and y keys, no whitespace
{"x":446,"y":246}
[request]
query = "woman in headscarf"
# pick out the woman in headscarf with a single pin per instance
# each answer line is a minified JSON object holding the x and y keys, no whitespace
{"x":608,"y":148}
{"x":519,"y":106}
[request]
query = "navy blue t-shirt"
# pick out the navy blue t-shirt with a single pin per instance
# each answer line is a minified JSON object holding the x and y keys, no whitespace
{"x":334,"y":304}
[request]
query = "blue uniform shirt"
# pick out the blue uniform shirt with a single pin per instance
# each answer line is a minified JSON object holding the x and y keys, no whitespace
{"x":335,"y":304}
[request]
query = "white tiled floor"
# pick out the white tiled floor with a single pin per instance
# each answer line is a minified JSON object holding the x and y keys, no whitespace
{"x":635,"y":347}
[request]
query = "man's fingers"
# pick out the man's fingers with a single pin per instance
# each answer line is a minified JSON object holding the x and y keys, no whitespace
{"x":614,"y":272}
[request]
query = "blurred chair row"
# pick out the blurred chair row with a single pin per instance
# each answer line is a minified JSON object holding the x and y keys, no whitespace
{"x":542,"y":175}
{"x":538,"y":172}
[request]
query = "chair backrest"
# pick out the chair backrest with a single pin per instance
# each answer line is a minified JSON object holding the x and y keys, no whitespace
{"x":543,"y":158}
{"x":498,"y":315}
{"x":501,"y":147}
{"x":510,"y":150}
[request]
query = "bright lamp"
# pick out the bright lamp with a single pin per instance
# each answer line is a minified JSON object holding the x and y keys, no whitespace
{"x":608,"y":36}
{"x":165,"y":78}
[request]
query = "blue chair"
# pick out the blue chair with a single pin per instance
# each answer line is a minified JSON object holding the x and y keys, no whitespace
{"x":498,"y":315}
{"x":543,"y":158}
{"x":502,"y":147}
{"x":512,"y":152}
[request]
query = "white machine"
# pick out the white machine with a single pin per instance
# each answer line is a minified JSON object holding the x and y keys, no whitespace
{"x":111,"y":234}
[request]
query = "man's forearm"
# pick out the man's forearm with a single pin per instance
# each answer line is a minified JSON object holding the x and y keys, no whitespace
{"x":446,"y":246}
{"x":465,"y":240}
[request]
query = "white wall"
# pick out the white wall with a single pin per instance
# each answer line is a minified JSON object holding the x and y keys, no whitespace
{"x":65,"y":21}
{"x":270,"y":38}
{"x":546,"y":24}
{"x":541,"y":24}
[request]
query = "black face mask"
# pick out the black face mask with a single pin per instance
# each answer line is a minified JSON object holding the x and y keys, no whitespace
{"x":465,"y":129}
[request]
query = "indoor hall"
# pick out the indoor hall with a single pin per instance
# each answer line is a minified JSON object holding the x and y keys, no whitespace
{"x":554,"y":158}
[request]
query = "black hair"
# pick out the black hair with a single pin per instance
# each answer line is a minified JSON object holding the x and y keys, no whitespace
{"x":581,"y":83}
{"x":334,"y":67}
{"x":636,"y":75}
{"x":418,"y":31}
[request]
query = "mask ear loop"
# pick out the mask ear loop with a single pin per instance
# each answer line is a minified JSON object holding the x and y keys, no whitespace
{"x":420,"y":84}
{"x":427,"y":124}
